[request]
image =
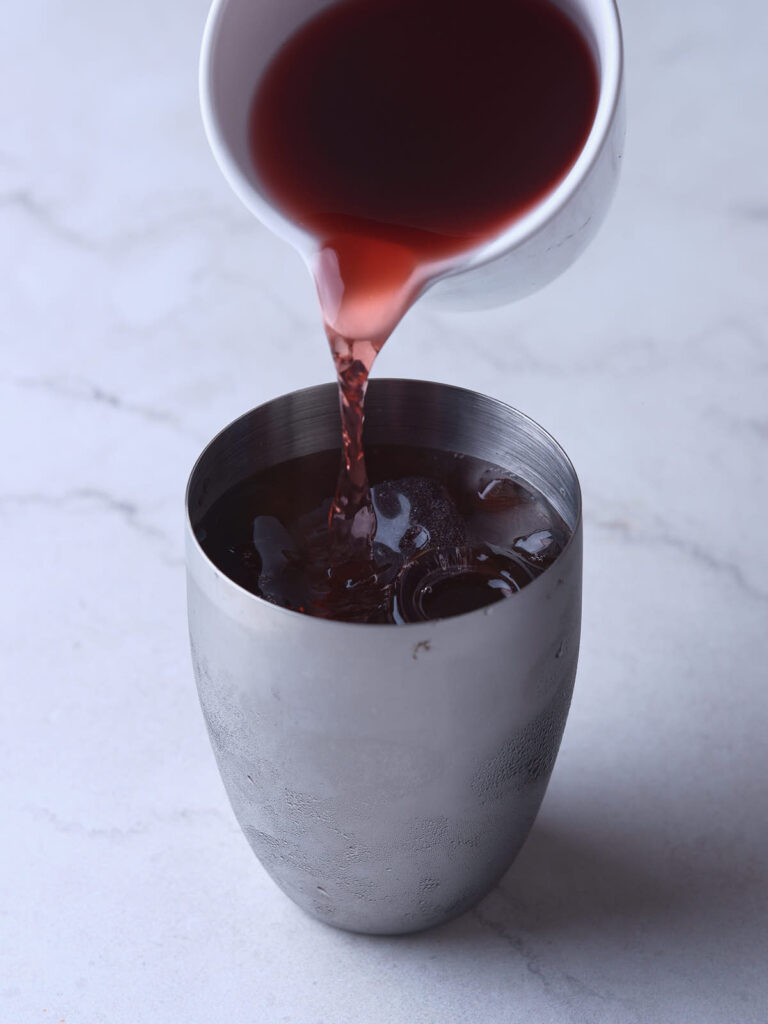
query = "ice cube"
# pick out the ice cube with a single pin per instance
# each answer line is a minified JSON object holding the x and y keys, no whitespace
{"x":414,"y":514}
{"x":538,"y":547}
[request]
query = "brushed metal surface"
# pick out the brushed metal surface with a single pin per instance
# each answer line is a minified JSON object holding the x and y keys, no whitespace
{"x":386,"y":776}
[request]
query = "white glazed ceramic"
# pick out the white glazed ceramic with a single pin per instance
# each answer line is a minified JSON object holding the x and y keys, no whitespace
{"x":240,"y":38}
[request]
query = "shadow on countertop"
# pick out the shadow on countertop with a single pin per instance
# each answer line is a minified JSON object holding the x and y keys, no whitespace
{"x":611,"y":926}
{"x":611,"y":897}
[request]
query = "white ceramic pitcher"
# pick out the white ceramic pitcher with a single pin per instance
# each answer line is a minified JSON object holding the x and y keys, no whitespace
{"x":241,"y":37}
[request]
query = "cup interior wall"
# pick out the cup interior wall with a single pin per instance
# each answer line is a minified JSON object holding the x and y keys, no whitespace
{"x":398,"y":412}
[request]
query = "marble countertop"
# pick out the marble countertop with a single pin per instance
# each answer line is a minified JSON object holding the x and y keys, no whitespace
{"x":141,"y":309}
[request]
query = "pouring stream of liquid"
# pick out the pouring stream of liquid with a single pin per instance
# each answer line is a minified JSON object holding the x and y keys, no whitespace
{"x":400,"y":134}
{"x":365,"y":287}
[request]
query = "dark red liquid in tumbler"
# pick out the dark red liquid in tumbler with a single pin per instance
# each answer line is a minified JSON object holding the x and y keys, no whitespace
{"x":399,"y":133}
{"x":454,"y":534}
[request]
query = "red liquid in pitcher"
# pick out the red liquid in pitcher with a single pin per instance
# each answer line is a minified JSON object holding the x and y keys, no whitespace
{"x":398,"y":134}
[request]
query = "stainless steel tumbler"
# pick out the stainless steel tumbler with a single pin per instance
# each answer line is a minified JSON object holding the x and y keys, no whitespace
{"x":386,"y":776}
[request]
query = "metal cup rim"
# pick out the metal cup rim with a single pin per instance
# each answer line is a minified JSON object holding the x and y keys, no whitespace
{"x":327,"y":624}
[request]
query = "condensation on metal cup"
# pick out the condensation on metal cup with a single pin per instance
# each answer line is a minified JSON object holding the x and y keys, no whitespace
{"x":386,"y":776}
